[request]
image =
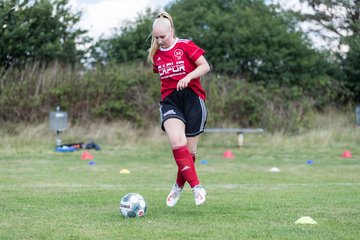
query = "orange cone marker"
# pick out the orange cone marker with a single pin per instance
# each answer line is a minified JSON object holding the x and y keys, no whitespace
{"x":87,"y":156}
{"x":346,"y":154}
{"x":228,"y":154}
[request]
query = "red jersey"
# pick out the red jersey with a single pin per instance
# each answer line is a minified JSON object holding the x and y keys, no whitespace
{"x":174,"y":63}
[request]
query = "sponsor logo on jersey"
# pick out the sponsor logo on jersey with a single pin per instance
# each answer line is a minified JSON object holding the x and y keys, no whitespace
{"x":172,"y":69}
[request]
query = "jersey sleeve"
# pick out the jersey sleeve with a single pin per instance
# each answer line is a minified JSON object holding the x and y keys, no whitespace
{"x":193,"y":51}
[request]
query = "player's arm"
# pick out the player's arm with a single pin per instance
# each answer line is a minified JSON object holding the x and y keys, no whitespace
{"x":201,"y":69}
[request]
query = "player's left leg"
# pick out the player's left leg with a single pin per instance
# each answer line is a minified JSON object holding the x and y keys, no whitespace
{"x":199,"y":191}
{"x":192,"y":146}
{"x":195,"y":116}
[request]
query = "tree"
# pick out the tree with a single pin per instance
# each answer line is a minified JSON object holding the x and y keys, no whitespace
{"x":253,"y":41}
{"x":246,"y":39}
{"x":39,"y":30}
{"x":341,"y":18}
{"x":351,"y":67}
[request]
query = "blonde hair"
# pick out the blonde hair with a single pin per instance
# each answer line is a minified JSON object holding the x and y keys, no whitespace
{"x":154,"y":44}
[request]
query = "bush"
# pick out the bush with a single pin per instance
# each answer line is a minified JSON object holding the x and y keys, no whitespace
{"x":114,"y":92}
{"x":235,"y":102}
{"x":130,"y":92}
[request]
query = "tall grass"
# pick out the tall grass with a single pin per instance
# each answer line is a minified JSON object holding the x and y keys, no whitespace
{"x":330,"y":127}
{"x":116,"y":92}
{"x":130,"y":92}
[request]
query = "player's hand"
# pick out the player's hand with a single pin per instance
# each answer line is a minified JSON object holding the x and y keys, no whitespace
{"x":183,"y":83}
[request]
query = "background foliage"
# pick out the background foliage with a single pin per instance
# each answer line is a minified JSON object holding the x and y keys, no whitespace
{"x":339,"y":21}
{"x":39,"y":31}
{"x":265,"y":71}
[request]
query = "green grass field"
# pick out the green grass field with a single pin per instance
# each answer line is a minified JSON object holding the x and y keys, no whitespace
{"x":50,"y":195}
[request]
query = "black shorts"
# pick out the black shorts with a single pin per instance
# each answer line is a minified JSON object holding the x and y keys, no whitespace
{"x":187,"y":106}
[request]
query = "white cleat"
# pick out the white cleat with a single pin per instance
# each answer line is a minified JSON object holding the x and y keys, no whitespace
{"x":199,"y":194}
{"x":173,"y":196}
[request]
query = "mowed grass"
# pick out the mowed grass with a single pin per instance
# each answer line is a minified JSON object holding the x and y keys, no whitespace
{"x":51,"y":195}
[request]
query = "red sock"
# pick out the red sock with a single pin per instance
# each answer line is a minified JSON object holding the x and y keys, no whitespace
{"x":186,"y":166}
{"x":180,"y":180}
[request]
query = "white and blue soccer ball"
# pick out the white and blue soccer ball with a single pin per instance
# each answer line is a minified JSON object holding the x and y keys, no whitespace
{"x":132,"y":205}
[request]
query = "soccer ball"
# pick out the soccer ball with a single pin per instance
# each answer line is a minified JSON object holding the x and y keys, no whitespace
{"x":132,"y":205}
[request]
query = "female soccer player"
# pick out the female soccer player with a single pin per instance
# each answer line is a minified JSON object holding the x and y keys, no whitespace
{"x":180,"y":63}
